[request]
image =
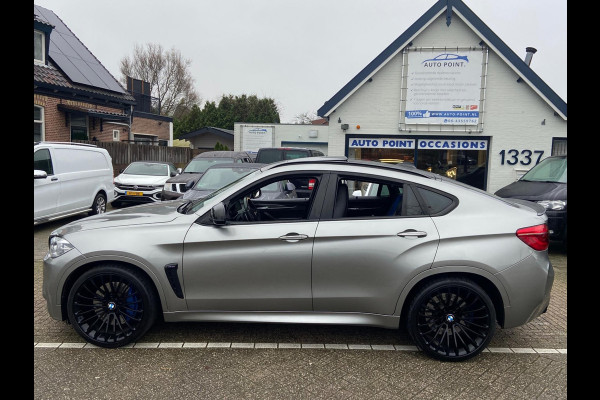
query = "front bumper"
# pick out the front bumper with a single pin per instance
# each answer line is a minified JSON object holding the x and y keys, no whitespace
{"x":54,"y":280}
{"x":167,"y":195}
{"x":144,"y":196}
{"x":528,"y":284}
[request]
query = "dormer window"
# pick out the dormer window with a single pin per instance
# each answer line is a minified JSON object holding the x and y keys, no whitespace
{"x":39,"y":47}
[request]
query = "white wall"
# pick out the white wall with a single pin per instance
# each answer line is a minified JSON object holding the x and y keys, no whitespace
{"x":296,"y":133}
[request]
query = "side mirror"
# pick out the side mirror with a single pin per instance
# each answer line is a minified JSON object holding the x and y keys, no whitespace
{"x":290,"y":187}
{"x":190,"y":185}
{"x":39,"y":174}
{"x":217,"y":214}
{"x":173,"y":173}
{"x":121,"y":171}
{"x":357,"y":193}
{"x":179,"y":170}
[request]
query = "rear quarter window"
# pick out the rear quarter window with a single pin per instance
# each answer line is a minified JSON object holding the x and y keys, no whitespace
{"x":435,"y":202}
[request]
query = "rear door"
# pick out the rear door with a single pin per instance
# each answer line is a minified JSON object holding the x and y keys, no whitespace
{"x":368,"y":247}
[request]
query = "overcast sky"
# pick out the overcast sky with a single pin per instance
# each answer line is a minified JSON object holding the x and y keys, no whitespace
{"x":298,"y":52}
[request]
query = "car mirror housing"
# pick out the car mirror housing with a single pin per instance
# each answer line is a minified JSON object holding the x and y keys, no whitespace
{"x":179,"y":170}
{"x":173,"y":173}
{"x":217,"y":214}
{"x":39,"y":174}
{"x":190,"y":184}
{"x":290,"y":187}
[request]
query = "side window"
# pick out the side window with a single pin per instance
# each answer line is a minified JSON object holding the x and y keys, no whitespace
{"x":274,"y":200}
{"x":358,"y":197}
{"x":42,"y":161}
{"x":436,"y":202}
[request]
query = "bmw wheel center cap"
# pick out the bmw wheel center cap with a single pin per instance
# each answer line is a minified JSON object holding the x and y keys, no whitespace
{"x":450,"y":318}
{"x":111,"y":306}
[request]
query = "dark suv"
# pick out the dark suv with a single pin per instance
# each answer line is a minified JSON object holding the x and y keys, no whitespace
{"x":175,"y":187}
{"x":546,"y":184}
{"x":273,"y":154}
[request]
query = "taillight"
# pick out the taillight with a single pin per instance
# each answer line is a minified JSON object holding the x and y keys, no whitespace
{"x":535,"y":237}
{"x":311,"y":184}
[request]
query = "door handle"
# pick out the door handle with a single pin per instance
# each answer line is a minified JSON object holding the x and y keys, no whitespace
{"x":54,"y":179}
{"x":293,"y":237}
{"x":412,"y":233}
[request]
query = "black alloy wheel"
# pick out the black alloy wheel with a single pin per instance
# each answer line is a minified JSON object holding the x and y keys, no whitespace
{"x":99,"y":205}
{"x":110,"y":306}
{"x":451,"y":319}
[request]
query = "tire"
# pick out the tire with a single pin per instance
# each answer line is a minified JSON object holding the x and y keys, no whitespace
{"x":451,"y":319}
{"x":99,"y":205}
{"x":111,"y":306}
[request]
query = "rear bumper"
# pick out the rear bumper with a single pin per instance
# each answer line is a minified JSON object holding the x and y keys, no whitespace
{"x":528,"y":285}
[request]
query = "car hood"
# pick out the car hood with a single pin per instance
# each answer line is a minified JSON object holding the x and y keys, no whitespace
{"x":128,"y":179}
{"x":534,"y":191}
{"x":154,"y":213}
{"x":186,"y":177}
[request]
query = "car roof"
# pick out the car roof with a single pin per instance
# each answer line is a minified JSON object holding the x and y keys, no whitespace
{"x":223,"y":154}
{"x":342,"y":160}
{"x":237,"y":165}
{"x":285,"y":148}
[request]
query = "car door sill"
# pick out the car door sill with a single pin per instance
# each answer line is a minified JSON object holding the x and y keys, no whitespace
{"x":287,"y":317}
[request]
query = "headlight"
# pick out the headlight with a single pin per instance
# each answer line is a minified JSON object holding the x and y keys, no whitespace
{"x":59,"y":246}
{"x":553,"y":205}
{"x":167,"y":187}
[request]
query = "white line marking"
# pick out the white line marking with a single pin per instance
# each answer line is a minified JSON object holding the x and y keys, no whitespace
{"x":331,"y":346}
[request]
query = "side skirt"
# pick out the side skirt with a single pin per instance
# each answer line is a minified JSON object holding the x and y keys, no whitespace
{"x":276,"y":317}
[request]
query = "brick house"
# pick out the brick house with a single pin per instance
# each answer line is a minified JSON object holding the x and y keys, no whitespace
{"x":76,"y":98}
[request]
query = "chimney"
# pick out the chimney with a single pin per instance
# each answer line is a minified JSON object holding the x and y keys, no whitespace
{"x":530,"y":52}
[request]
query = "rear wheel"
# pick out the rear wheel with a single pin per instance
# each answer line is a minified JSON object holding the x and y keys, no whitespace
{"x":451,"y":319}
{"x":99,"y":204}
{"x":110,"y":306}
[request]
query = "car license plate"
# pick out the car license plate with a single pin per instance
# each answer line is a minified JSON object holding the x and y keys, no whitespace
{"x":134,"y":193}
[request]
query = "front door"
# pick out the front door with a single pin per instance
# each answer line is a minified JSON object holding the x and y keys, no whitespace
{"x":46,"y":191}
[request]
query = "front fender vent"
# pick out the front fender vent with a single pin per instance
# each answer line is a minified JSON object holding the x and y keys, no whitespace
{"x":171,"y":272}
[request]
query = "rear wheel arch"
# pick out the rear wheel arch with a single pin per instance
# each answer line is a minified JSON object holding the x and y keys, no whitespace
{"x":486,"y":284}
{"x":74,"y":275}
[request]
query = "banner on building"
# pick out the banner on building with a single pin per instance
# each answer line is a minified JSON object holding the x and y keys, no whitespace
{"x":381,"y":143}
{"x":256,"y":137}
{"x":443,"y":87}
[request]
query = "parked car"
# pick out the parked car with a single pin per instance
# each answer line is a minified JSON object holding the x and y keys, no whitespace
{"x":69,"y":179}
{"x":142,"y":182}
{"x":443,"y":259}
{"x":175,"y":187}
{"x":546,"y":184}
{"x":269,"y":155}
{"x":220,"y":175}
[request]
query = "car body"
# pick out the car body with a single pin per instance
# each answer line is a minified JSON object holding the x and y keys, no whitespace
{"x":430,"y":254}
{"x":219,"y":175}
{"x":546,"y":184}
{"x":176,"y":186}
{"x":267,"y":155}
{"x":447,"y":57}
{"x":70,"y":178}
{"x":142,"y":182}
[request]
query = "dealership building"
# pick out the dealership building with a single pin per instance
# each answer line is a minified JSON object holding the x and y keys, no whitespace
{"x":448,"y":95}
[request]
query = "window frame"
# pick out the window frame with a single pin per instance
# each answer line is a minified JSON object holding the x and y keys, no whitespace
{"x":323,"y":179}
{"x":41,"y":122}
{"x":327,"y":211}
{"x":43,"y":45}
{"x":425,"y":204}
{"x":87,"y":127}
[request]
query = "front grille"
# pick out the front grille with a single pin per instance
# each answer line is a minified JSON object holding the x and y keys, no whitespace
{"x":138,"y":188}
{"x":178,"y":187}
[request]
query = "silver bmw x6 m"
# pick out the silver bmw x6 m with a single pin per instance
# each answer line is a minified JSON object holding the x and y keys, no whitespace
{"x":417,"y":251}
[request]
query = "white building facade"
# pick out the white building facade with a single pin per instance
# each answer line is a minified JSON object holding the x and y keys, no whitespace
{"x":447,"y":95}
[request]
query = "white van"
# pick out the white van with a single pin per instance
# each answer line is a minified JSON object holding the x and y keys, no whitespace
{"x":70,"y":178}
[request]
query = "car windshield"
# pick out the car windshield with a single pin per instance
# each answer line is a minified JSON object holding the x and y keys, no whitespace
{"x":216,"y":178}
{"x":199,"y":203}
{"x":142,"y":168}
{"x":199,"y":165}
{"x":549,"y":170}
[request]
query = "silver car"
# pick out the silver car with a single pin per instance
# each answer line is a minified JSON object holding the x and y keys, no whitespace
{"x":444,"y":260}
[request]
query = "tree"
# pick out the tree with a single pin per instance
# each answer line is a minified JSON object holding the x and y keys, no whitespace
{"x":168,"y":74}
{"x":231,"y":109}
{"x":305,"y":118}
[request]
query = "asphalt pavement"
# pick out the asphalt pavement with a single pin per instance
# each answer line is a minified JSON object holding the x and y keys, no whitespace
{"x":281,"y":361}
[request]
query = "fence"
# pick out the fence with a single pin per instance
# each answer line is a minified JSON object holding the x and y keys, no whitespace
{"x":123,"y":154}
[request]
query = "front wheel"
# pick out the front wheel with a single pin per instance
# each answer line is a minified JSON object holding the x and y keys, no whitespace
{"x":451,"y":319}
{"x":111,"y":306}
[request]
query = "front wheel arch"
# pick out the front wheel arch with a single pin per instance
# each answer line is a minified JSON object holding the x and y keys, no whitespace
{"x":84,"y":268}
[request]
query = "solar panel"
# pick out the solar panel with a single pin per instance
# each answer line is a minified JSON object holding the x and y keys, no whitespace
{"x":73,"y":58}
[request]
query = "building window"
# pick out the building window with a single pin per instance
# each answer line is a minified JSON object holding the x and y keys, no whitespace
{"x":116,"y":135}
{"x":38,"y":47}
{"x":79,"y":128}
{"x":145,"y":139}
{"x":559,"y":147}
{"x":38,"y":123}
